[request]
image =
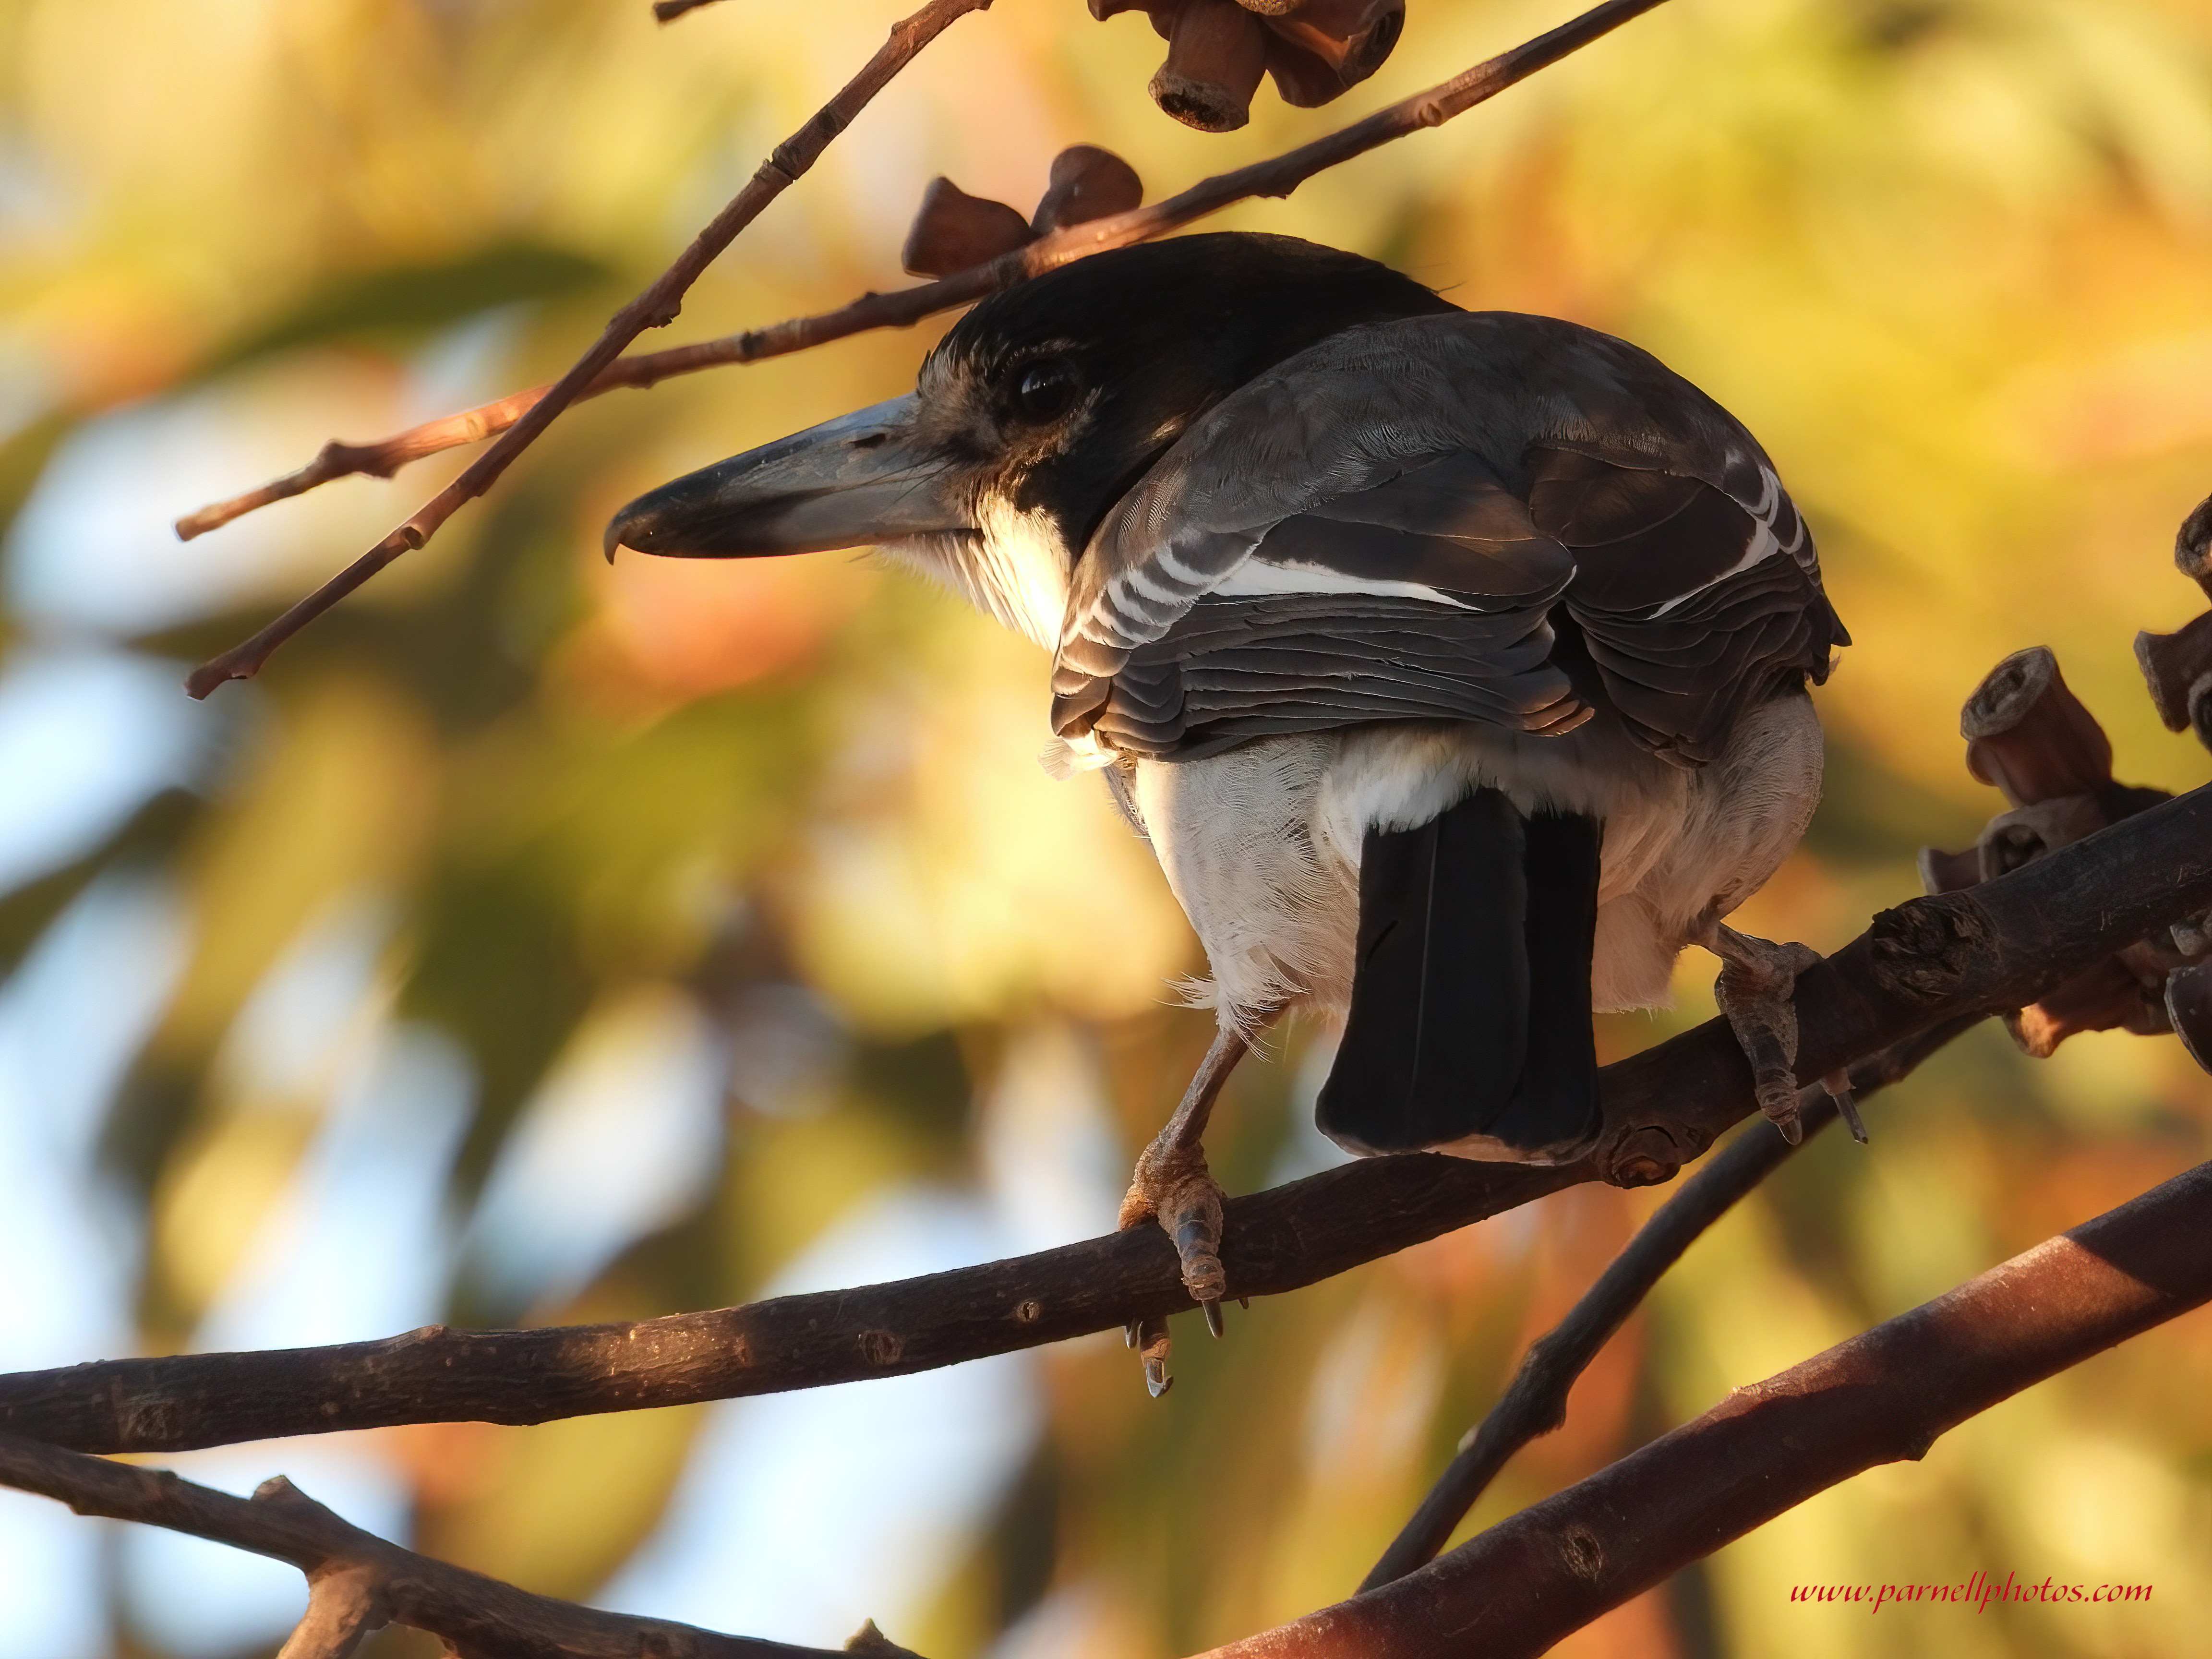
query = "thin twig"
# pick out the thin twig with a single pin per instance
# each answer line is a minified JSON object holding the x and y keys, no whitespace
{"x":382,"y":1584}
{"x":1536,"y":1401}
{"x":656,"y":307}
{"x":1882,"y":1396}
{"x":340,"y":459}
{"x":1926,"y":963}
{"x":668,"y":11}
{"x":599,"y":370}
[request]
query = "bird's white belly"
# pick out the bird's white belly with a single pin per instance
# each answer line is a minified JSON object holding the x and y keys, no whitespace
{"x":1261,"y":844}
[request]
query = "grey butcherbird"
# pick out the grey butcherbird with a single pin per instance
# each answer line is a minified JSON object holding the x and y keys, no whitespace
{"x":1454,"y":663}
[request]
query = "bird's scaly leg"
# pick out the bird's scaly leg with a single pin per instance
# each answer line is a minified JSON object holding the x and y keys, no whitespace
{"x":1172,"y":1186}
{"x":1758,"y":978}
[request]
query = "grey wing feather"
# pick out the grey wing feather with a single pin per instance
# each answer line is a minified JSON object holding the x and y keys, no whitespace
{"x":1433,"y":594}
{"x":1390,"y":525}
{"x":1692,"y":604}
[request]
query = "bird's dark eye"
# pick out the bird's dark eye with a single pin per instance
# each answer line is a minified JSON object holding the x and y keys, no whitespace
{"x":1046,"y":390}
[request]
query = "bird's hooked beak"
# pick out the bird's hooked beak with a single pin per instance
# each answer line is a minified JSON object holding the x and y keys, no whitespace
{"x":863,"y":478}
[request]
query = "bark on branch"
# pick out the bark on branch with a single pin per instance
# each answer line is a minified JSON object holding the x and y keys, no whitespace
{"x":1535,"y":1402}
{"x":522,"y":416}
{"x":1882,"y":1397}
{"x":345,"y":1605}
{"x":1928,"y":961}
{"x":357,"y":1581}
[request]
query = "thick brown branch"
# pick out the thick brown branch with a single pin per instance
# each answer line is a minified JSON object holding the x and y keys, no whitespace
{"x":1928,"y":961}
{"x":1536,"y":1401}
{"x":656,"y":307}
{"x":1277,"y":1241}
{"x":358,"y":1580}
{"x":1881,"y":1397}
{"x":527,"y":413}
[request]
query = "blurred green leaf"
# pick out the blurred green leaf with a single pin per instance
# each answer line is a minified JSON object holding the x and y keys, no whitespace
{"x":496,"y":966}
{"x":402,"y":302}
{"x":23,"y":460}
{"x":150,"y":836}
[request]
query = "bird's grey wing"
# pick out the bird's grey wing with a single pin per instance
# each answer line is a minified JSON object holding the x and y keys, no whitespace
{"x":1392,"y":525}
{"x":1693,"y":602}
{"x":1421,"y":597}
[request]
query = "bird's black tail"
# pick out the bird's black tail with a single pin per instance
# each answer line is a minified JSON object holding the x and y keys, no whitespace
{"x":1471,"y":998}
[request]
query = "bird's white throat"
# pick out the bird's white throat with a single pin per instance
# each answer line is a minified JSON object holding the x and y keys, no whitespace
{"x":1014,"y":568}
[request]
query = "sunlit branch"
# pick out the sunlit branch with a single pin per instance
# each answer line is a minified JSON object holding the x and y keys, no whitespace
{"x":522,"y":416}
{"x":1924,"y":963}
{"x":1536,"y":1401}
{"x":345,"y":1607}
{"x":1882,"y":1397}
{"x":656,"y":307}
{"x":380,"y":459}
{"x":358,"y":1581}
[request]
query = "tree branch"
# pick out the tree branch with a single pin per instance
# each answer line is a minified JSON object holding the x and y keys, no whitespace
{"x":344,"y":1607}
{"x":1535,"y":1403}
{"x":358,"y":1581}
{"x":656,"y":307}
{"x":380,"y":459}
{"x":1883,"y":1396}
{"x":522,"y":416}
{"x":1928,"y":961}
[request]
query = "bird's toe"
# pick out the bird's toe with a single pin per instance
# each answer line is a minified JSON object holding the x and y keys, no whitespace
{"x":1173,"y":1189}
{"x":1758,"y":981}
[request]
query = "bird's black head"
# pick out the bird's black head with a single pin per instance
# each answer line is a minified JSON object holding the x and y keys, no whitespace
{"x":1070,"y":387}
{"x":1039,"y":409}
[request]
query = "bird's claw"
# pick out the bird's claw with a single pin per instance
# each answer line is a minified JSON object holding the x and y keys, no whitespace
{"x":1153,"y":1332}
{"x":1757,"y":980}
{"x":1839,"y":1085}
{"x":1172,"y":1188}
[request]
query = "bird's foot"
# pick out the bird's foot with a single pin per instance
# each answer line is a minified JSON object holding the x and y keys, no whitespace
{"x":1172,"y":1187}
{"x":1757,"y":980}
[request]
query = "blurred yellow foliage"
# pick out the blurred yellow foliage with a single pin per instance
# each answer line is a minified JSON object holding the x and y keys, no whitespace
{"x":1952,"y":259}
{"x":218,"y":1190}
